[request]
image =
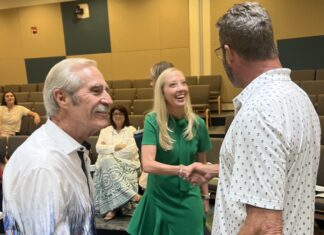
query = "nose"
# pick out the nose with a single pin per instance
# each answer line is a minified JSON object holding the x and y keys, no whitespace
{"x":106,"y":99}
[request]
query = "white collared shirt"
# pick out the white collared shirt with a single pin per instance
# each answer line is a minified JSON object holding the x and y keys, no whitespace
{"x":270,"y":156}
{"x":45,"y":189}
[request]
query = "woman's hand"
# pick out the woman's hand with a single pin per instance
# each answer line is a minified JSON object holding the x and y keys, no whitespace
{"x":206,"y":205}
{"x":119,"y":147}
{"x":36,"y":119}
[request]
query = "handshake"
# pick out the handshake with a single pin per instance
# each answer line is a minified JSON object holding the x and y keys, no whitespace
{"x":198,"y":173}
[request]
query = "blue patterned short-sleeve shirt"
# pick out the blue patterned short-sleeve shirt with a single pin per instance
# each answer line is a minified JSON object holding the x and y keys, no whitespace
{"x":270,"y":156}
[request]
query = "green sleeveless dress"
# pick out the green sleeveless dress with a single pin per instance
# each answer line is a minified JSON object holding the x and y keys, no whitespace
{"x":170,"y":205}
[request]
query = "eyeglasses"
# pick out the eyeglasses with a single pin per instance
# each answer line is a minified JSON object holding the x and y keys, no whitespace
{"x":219,"y":53}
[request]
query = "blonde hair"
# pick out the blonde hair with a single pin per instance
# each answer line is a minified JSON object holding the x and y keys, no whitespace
{"x":162,"y":115}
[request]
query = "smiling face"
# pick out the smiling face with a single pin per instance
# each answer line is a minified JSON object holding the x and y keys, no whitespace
{"x":118,"y":118}
{"x":89,"y":105}
{"x":175,"y":91}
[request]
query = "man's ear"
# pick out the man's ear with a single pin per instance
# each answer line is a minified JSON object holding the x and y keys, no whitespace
{"x":60,"y":97}
{"x":229,"y":55}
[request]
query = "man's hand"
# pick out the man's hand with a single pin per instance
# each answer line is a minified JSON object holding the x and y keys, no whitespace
{"x":198,"y":173}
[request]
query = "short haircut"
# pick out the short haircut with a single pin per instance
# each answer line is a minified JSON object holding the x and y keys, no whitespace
{"x":158,"y":68}
{"x":64,"y":76}
{"x":247,"y":29}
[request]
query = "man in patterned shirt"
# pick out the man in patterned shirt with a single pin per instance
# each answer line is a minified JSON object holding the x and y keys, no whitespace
{"x":270,"y":154}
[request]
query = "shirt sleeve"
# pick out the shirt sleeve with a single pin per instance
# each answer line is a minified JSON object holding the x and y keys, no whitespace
{"x":24,"y":111}
{"x":258,"y":176}
{"x":204,"y":143}
{"x":150,"y":135}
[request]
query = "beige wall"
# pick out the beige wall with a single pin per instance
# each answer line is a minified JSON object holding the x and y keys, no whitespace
{"x":17,"y":41}
{"x":291,"y":19}
{"x":142,"y":33}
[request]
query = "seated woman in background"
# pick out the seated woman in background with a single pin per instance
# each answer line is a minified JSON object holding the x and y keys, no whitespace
{"x":11,"y":114}
{"x":117,"y":166}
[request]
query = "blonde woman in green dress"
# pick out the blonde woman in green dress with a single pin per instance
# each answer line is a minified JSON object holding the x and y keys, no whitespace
{"x":174,"y":137}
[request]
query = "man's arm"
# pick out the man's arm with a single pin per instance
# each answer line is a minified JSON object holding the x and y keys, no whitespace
{"x":261,"y":221}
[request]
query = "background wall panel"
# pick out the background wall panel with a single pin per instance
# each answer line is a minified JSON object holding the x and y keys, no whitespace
{"x":86,"y":36}
{"x":38,"y":68}
{"x":135,"y":25}
{"x":49,"y":40}
{"x":12,"y":71}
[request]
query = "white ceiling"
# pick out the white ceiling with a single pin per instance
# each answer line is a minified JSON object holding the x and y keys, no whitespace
{"x":5,"y":4}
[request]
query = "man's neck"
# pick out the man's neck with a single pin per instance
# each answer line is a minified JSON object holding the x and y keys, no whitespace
{"x":75,"y":132}
{"x":250,"y":70}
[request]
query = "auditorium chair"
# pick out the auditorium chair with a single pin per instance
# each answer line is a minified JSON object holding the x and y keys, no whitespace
{"x":214,"y":82}
{"x":142,"y":106}
{"x":145,"y":93}
{"x":213,"y":158}
{"x":14,"y":142}
{"x":22,"y":97}
{"x":313,"y":87}
{"x":36,"y":96}
{"x":320,"y":74}
{"x":3,"y":146}
{"x":137,"y":120}
{"x":116,"y":84}
{"x":124,"y":93}
{"x":199,"y":95}
{"x":141,"y":83}
{"x":320,"y":104}
{"x":303,"y":75}
{"x":192,"y":80}
{"x":319,"y":201}
{"x":30,"y":87}
{"x":12,"y":88}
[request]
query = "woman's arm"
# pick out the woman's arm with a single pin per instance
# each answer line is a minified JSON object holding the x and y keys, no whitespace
{"x":35,"y":116}
{"x":103,"y":147}
{"x":129,"y":145}
{"x":202,"y":158}
{"x":151,"y":166}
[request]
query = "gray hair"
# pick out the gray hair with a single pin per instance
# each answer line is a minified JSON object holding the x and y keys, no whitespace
{"x":158,"y":68}
{"x":247,"y":29}
{"x":64,"y":76}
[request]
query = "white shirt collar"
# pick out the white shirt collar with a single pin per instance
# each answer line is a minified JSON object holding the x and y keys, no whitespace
{"x":281,"y":74}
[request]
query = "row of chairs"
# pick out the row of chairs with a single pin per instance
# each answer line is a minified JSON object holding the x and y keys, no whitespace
{"x":315,"y":87}
{"x":318,"y":102}
{"x":30,"y":87}
{"x":307,"y":74}
{"x":28,"y":126}
{"x":28,"y":96}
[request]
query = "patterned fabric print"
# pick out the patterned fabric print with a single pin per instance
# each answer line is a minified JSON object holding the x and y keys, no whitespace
{"x":51,"y":195}
{"x":270,"y":155}
{"x":115,"y":183}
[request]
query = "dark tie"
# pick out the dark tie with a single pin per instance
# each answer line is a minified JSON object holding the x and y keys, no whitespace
{"x":80,"y":153}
